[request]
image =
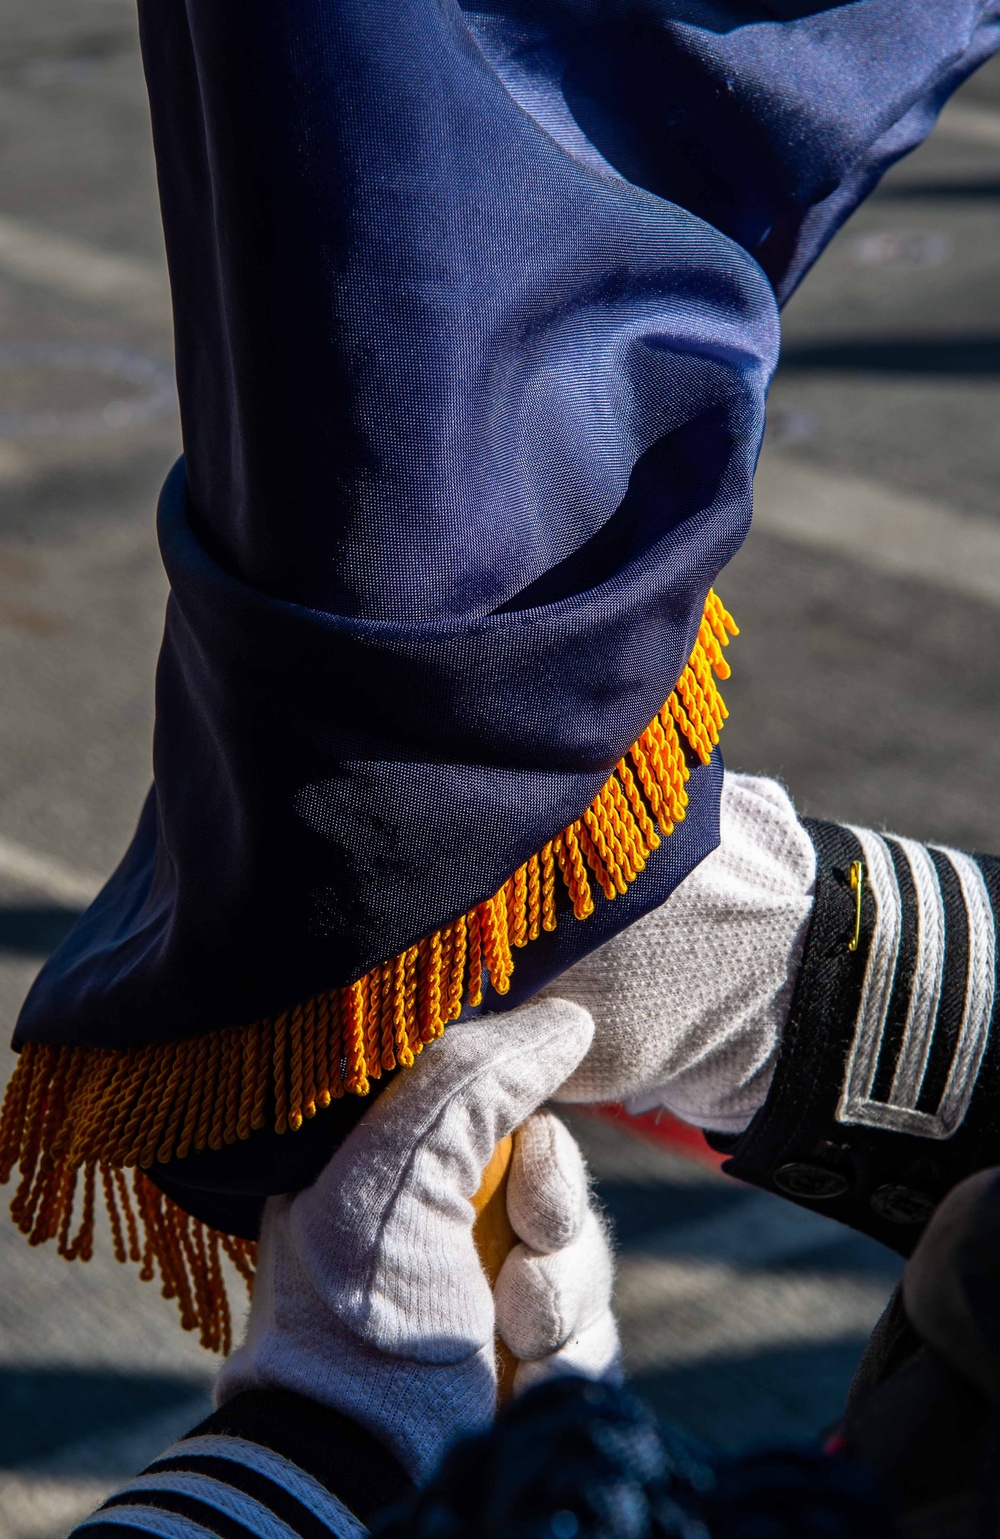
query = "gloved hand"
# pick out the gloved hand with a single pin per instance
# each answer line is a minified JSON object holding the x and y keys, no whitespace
{"x":869,"y":959}
{"x":689,"y":1003}
{"x":369,"y":1295}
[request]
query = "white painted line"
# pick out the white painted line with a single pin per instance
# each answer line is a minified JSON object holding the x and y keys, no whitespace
{"x":84,"y":272}
{"x":36,"y":1508}
{"x":679,"y":1313}
{"x":675,"y":1290}
{"x":976,"y":125}
{"x":758,"y":1232}
{"x":47,"y":875}
{"x":890,"y":531}
{"x":15,"y":465}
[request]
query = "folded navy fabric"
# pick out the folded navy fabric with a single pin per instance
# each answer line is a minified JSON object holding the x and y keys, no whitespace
{"x":476,"y":309}
{"x":473,"y":337}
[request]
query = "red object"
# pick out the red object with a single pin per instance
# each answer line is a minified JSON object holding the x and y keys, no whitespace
{"x":659,"y":1127}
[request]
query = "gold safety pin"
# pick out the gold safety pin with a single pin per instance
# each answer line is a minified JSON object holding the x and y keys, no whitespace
{"x":857,"y":886}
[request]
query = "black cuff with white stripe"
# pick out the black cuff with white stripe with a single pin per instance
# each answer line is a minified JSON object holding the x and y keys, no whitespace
{"x":268,"y":1465}
{"x":887,"y":1088}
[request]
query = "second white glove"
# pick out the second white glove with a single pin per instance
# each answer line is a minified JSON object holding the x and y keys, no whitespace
{"x":370,"y":1297}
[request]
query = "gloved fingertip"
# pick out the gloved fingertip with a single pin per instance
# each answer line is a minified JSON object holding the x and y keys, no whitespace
{"x":548,"y":1189}
{"x":595,"y":1353}
{"x":530,"y":1053}
{"x":542,"y":1301}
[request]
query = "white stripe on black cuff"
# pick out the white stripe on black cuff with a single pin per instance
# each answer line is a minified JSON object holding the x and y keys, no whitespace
{"x":927,"y":1001}
{"x":252,"y":1489}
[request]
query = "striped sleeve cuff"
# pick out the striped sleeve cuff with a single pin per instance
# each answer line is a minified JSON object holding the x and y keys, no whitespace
{"x":888,"y":1070}
{"x":268,"y":1465}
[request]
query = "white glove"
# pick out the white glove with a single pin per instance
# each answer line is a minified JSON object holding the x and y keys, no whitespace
{"x":689,"y":1003}
{"x":553,"y":1295}
{"x":370,"y":1297}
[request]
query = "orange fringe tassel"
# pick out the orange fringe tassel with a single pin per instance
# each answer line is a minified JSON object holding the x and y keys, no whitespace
{"x":103,"y":1110}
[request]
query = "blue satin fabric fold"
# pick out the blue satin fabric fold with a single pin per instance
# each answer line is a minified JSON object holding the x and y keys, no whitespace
{"x":476,"y":311}
{"x":769,"y":119}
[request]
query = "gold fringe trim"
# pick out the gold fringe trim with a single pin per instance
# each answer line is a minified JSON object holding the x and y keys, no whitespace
{"x":104,"y":1110}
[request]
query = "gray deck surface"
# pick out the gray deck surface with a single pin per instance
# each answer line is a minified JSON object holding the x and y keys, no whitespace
{"x":866,"y":676}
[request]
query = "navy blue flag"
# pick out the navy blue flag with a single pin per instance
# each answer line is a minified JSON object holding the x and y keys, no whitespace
{"x":476,"y":310}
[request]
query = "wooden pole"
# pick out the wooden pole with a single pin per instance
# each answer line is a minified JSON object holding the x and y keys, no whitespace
{"x":495,"y":1239}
